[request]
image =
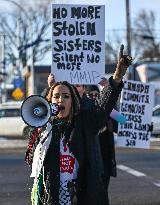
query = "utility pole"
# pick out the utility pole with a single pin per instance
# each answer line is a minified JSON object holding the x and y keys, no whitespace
{"x":3,"y":68}
{"x":128,"y":34}
{"x":128,"y":23}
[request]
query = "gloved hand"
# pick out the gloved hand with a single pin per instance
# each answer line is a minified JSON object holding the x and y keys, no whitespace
{"x":124,"y":61}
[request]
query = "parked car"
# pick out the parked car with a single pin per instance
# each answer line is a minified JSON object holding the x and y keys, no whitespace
{"x":11,"y":123}
{"x":156,"y":120}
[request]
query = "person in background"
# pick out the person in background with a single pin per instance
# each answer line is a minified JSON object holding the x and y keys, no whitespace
{"x":80,"y":89}
{"x":106,"y":139}
{"x":85,"y":102}
{"x":92,"y":91}
{"x":103,"y":82}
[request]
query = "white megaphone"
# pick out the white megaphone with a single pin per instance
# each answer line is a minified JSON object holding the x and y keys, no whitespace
{"x":36,"y":111}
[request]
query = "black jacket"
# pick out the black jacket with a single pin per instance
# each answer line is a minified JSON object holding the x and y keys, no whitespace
{"x":106,"y":140}
{"x":85,"y":145}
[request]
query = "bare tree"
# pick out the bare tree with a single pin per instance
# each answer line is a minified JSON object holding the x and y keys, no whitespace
{"x":114,"y":38}
{"x":27,"y":26}
{"x":145,"y":39}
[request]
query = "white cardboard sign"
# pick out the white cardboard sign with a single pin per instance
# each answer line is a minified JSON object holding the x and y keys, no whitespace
{"x":78,"y":43}
{"x":136,"y":104}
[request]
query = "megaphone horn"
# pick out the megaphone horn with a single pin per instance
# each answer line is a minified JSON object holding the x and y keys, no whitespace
{"x":40,"y":111}
{"x":36,"y":111}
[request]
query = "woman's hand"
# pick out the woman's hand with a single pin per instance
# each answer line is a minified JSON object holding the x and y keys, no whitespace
{"x":124,"y":62}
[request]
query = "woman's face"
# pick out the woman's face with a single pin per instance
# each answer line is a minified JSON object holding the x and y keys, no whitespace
{"x":93,"y":94}
{"x":61,"y":95}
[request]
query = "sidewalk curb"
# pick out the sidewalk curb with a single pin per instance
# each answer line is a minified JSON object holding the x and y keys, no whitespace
{"x":22,"y":144}
{"x":13,"y":144}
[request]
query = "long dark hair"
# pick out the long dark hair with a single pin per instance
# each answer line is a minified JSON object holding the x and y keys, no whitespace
{"x":74,"y":95}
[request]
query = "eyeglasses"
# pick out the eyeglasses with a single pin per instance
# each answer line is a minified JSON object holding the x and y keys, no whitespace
{"x":91,"y":95}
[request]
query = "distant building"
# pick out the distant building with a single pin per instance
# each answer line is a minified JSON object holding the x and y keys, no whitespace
{"x":152,"y":71}
{"x":41,"y":75}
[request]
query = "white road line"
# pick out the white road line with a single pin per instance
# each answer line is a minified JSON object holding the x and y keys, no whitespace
{"x":135,"y":173}
{"x":157,"y":184}
{"x":131,"y":171}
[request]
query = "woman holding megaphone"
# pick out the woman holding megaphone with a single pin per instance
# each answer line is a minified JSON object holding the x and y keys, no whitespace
{"x":66,"y":159}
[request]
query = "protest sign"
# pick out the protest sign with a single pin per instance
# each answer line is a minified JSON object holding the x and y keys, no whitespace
{"x":136,"y":104}
{"x":78,"y":43}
